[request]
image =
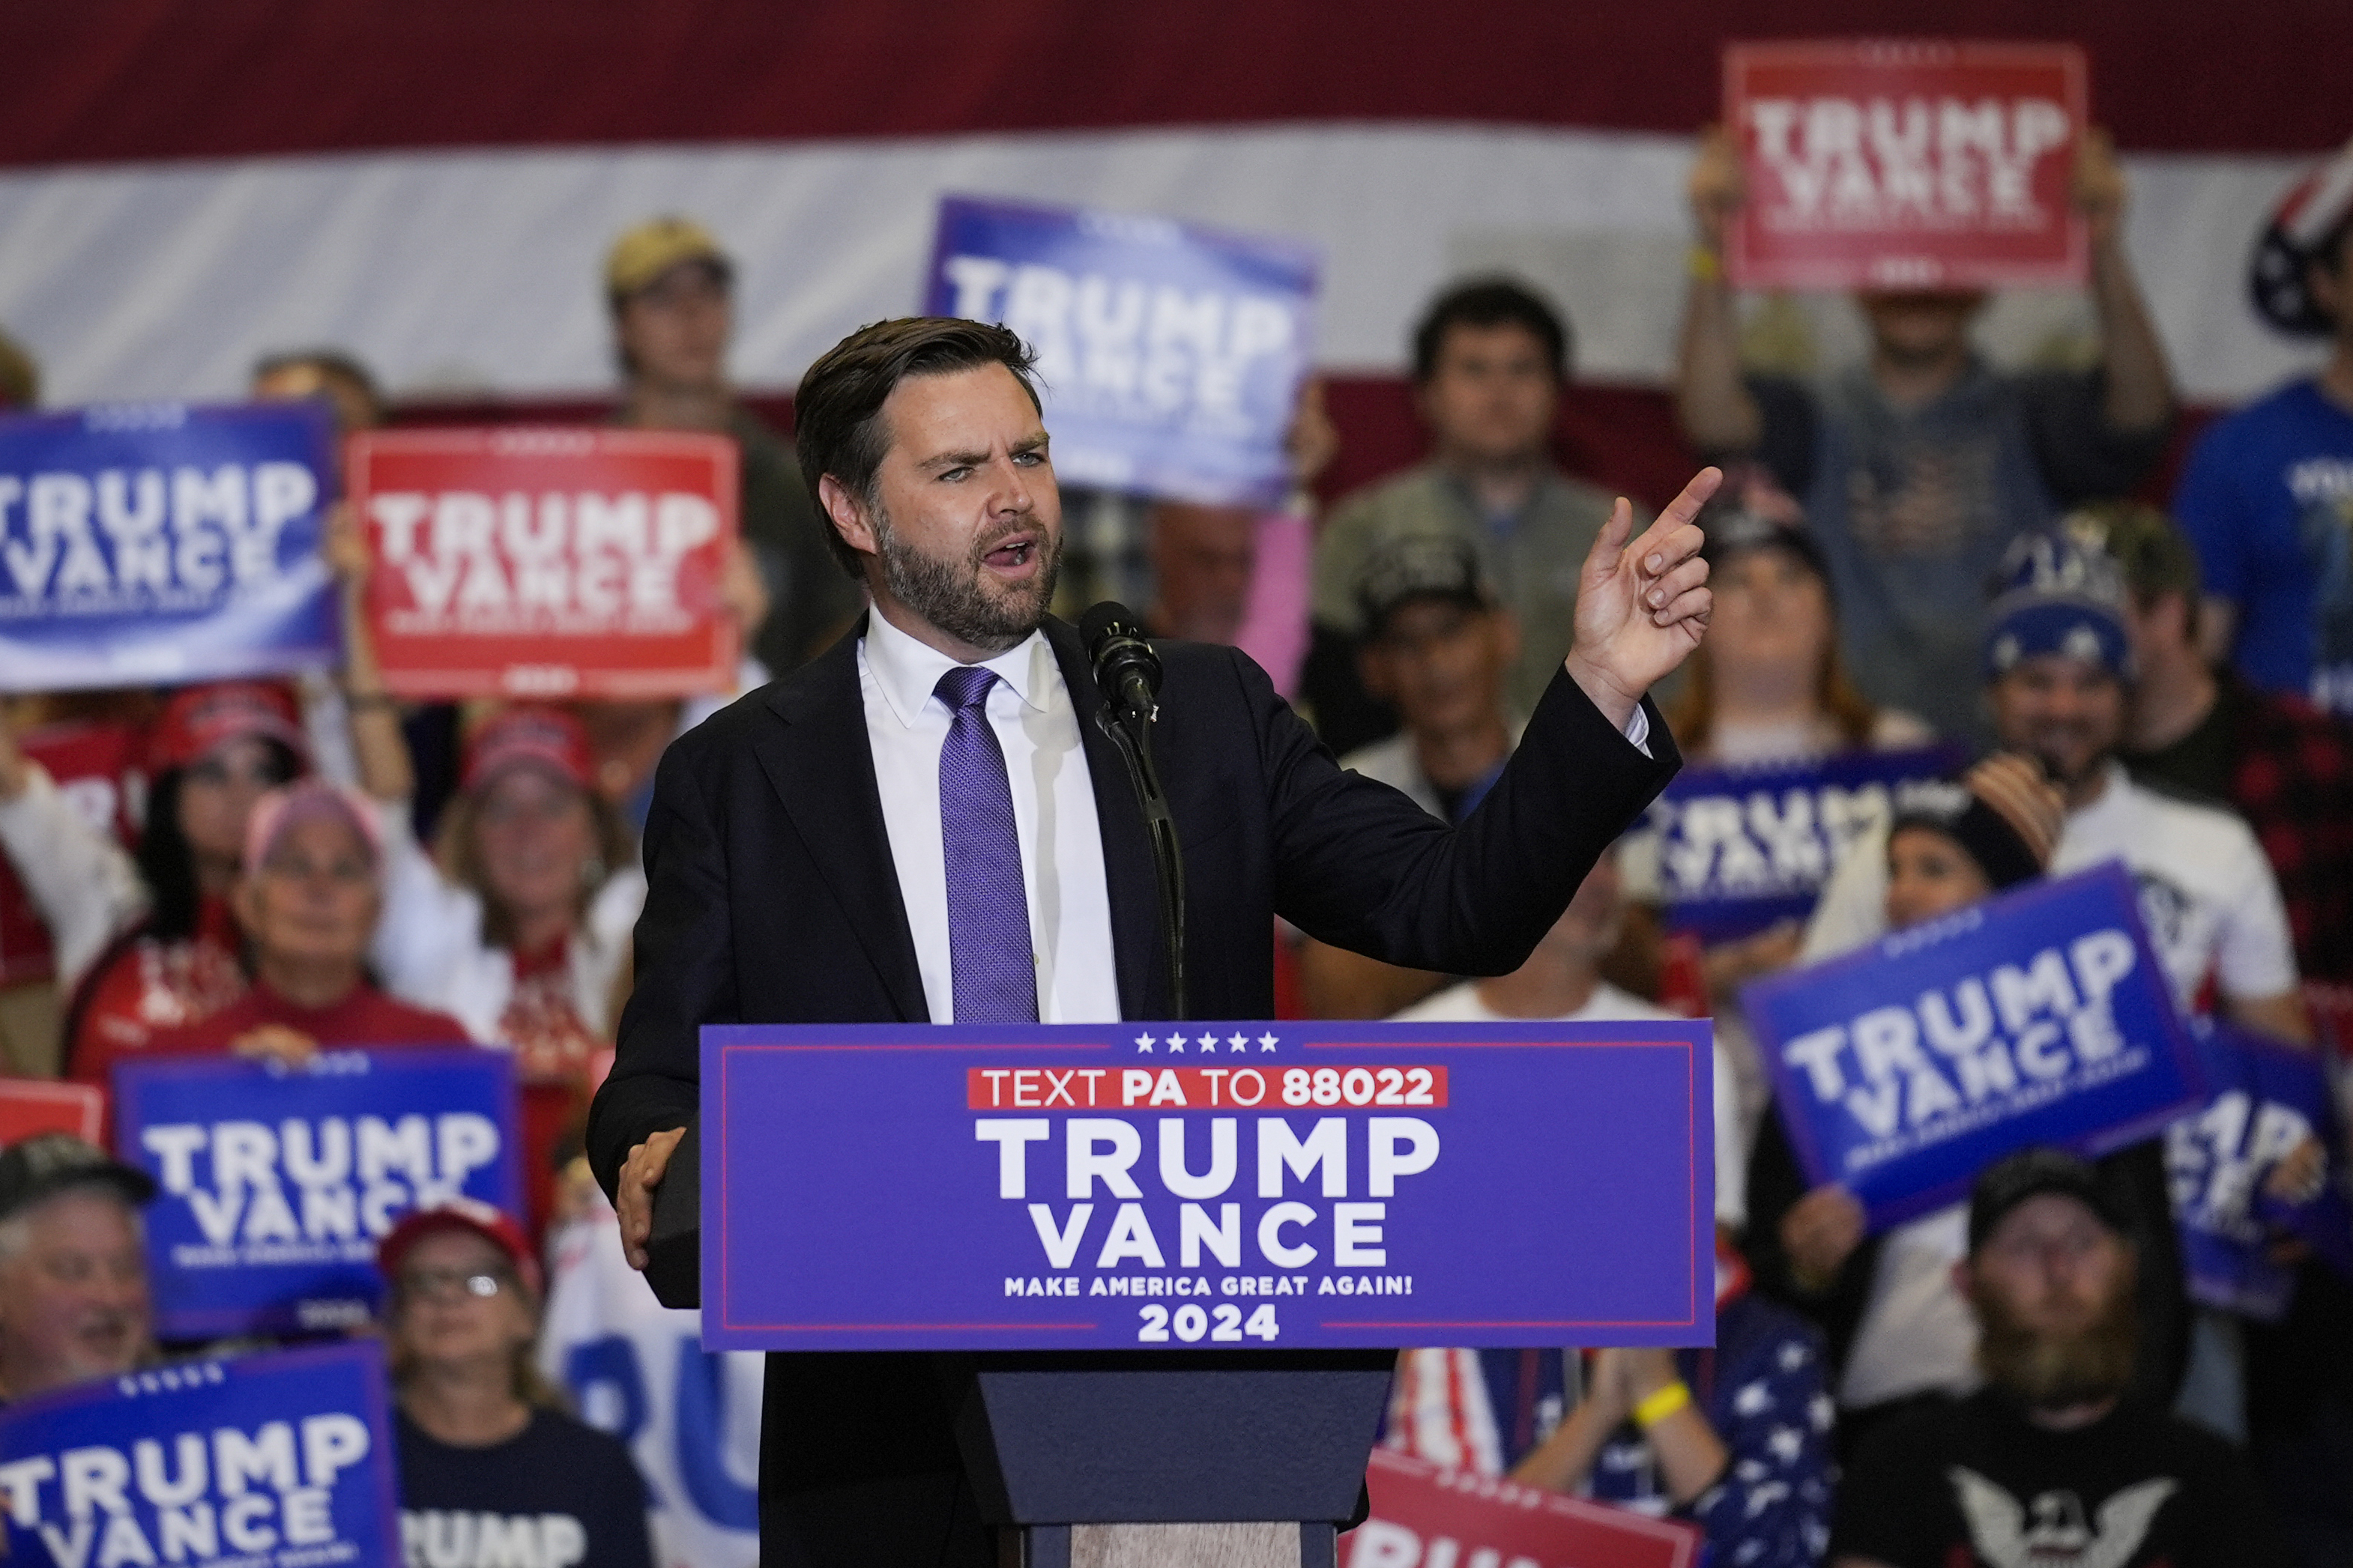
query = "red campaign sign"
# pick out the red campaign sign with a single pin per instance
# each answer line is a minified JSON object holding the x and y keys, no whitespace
{"x":1905,"y":164}
{"x":1427,"y":1517}
{"x":547,"y":563}
{"x":29,"y":1106}
{"x":97,"y":768}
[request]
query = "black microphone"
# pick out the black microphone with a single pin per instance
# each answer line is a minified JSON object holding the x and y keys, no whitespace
{"x":1127,"y":672}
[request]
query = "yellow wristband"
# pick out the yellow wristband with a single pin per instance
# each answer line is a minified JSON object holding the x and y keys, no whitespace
{"x":1676,"y":1397}
{"x":1704,"y":263}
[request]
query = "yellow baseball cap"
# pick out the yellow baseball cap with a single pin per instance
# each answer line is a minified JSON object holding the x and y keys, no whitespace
{"x":644,"y":253}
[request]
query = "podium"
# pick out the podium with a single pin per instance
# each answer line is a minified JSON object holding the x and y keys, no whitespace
{"x":1164,"y":1286}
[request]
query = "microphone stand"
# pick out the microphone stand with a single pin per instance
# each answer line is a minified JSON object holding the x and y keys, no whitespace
{"x":1133,"y":741}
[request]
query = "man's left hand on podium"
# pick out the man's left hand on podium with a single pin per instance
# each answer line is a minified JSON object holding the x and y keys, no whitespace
{"x":1642,"y":607}
{"x":633,"y":1199}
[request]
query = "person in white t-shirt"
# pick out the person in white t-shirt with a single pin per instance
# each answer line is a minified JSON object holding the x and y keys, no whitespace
{"x":1561,"y":982}
{"x":2058,"y":670}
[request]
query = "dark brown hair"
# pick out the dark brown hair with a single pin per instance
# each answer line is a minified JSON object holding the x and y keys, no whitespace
{"x":838,"y":413}
{"x":1489,"y":302}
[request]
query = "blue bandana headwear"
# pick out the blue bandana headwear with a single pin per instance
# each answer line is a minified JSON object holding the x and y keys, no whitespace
{"x":2052,"y":596}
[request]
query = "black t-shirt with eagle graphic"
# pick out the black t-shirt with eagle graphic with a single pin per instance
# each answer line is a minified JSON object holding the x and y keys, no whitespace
{"x":1976,"y":1483}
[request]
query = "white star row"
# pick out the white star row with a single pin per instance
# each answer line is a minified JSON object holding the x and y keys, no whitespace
{"x":1235,"y":1044}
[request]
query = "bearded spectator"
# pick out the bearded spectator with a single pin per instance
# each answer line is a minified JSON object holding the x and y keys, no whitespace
{"x":2058,"y":678}
{"x":1899,"y":1334}
{"x":2054,"y":1460}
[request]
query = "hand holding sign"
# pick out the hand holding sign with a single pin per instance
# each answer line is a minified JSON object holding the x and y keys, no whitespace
{"x":1819,"y":1233}
{"x":275,"y":1043}
{"x":1911,"y":164}
{"x":1641,"y":609}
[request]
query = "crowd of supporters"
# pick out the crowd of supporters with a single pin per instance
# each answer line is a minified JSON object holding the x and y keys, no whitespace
{"x":1916,"y":548}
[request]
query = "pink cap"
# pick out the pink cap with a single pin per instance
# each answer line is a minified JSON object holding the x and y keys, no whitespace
{"x":280,"y":809}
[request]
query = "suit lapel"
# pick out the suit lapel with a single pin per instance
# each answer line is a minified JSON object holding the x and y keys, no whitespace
{"x":821,"y":767}
{"x":1129,"y":883}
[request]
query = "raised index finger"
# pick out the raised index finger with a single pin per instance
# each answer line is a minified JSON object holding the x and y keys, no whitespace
{"x":1677,"y":513}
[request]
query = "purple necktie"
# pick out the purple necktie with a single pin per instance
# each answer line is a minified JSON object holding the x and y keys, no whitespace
{"x":989,"y":907}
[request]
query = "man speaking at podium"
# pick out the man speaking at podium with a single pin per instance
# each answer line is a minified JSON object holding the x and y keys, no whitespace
{"x":925,"y":824}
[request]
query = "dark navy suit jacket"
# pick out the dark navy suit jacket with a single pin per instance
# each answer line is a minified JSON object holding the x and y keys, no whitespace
{"x":773,"y":898}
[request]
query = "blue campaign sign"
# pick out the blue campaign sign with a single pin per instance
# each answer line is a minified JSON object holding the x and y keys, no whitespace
{"x":155,"y":544}
{"x":1741,"y":847}
{"x":2041,"y":1016}
{"x":276,"y":1184}
{"x":275,"y":1460}
{"x":1170,"y":355}
{"x":1103,"y":1186}
{"x":2266,"y":1098}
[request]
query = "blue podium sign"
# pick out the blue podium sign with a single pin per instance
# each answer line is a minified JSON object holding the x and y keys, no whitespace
{"x":1169,"y":355}
{"x":1741,"y":847}
{"x":2041,"y":1016}
{"x":276,"y":1184}
{"x":280,"y":1461}
{"x":158,"y":542}
{"x":1247,"y":1184}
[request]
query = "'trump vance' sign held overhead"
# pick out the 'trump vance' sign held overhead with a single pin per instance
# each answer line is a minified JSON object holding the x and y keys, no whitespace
{"x":1170,"y":355}
{"x":2041,"y":1016}
{"x":1905,"y":164}
{"x":1252,"y":1185}
{"x":271,"y":1460}
{"x":548,"y":562}
{"x":276,"y":1184}
{"x":153,"y":543}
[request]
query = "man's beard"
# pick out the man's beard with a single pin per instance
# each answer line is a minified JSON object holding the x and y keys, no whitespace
{"x":2058,"y":1372}
{"x":954,"y":596}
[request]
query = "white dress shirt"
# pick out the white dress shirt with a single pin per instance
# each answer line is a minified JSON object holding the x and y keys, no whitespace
{"x":1029,"y":711}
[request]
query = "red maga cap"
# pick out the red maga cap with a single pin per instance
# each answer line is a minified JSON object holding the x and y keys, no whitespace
{"x":469,"y":1214}
{"x":545,"y":737}
{"x":200,"y":718}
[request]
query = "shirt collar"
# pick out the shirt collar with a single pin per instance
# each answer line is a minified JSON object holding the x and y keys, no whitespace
{"x":2118,"y":785}
{"x":908,"y":669}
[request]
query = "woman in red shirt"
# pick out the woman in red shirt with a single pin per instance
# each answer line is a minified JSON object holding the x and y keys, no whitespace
{"x":307,"y":899}
{"x":216,"y":749}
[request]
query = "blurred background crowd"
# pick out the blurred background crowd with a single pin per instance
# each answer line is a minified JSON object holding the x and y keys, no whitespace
{"x":1919,"y":484}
